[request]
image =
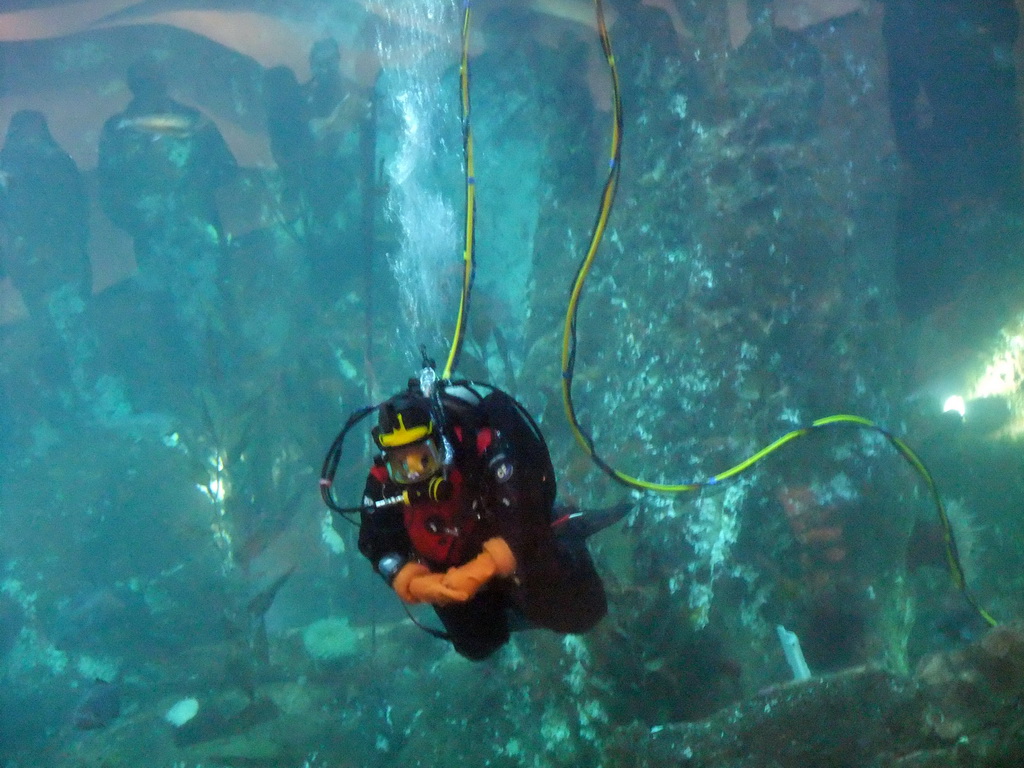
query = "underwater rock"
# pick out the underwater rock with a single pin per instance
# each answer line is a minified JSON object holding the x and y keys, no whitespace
{"x":785,"y":723}
{"x":12,"y":618}
{"x":245,"y":749}
{"x":974,"y":692}
{"x":958,"y":709}
{"x":227,"y":715}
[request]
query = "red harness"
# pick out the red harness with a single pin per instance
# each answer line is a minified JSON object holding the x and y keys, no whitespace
{"x":448,"y":533}
{"x":440,"y":531}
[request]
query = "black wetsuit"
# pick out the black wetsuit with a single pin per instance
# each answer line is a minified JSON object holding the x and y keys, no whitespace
{"x":497,"y":490}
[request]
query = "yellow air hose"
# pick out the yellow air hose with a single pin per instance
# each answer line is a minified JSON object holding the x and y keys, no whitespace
{"x":569,"y":359}
{"x":468,"y":265}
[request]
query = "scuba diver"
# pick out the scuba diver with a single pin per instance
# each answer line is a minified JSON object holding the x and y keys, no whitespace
{"x":459,"y":512}
{"x":459,"y":509}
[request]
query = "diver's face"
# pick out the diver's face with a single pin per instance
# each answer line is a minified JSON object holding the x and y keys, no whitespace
{"x":413,"y":463}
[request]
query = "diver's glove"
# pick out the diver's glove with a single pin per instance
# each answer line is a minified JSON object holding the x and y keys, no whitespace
{"x":416,"y":583}
{"x":496,"y":560}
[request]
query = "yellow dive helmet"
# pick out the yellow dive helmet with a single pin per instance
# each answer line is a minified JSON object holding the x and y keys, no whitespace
{"x":405,"y":432}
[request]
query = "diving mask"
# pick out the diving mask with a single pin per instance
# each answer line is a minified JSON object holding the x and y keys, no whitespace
{"x":413,"y":463}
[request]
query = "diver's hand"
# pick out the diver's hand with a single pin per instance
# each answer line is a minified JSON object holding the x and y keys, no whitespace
{"x":416,"y":583}
{"x":431,"y":589}
{"x":496,"y":560}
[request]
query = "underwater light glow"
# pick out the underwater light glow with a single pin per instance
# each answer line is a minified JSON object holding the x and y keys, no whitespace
{"x":1004,"y":373}
{"x":954,"y":403}
{"x":999,"y":380}
{"x":215,"y":489}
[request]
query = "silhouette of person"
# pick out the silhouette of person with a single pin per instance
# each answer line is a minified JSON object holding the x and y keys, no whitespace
{"x":44,"y":211}
{"x":291,"y":139}
{"x":952,"y":92}
{"x":160,"y":165}
{"x":952,"y":100}
{"x":315,"y":144}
